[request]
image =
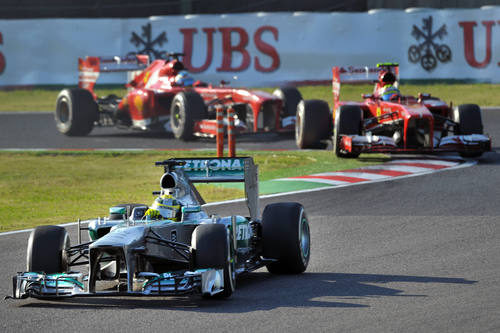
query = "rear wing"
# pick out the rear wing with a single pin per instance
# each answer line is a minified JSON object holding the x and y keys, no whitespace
{"x":90,"y":67}
{"x":221,"y":170}
{"x":358,"y":75}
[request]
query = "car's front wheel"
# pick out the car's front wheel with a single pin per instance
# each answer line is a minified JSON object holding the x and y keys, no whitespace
{"x":347,"y":122}
{"x":469,"y":121}
{"x":312,"y":123}
{"x":286,"y":237}
{"x":47,"y":250}
{"x":212,"y":246}
{"x":187,"y":108}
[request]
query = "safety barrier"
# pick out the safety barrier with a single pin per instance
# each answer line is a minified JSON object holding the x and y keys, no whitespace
{"x":219,"y":138}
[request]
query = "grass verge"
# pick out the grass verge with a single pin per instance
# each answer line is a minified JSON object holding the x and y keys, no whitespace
{"x":458,"y":93}
{"x":38,"y":188}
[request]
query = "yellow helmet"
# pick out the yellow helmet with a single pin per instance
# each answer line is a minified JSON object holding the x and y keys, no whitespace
{"x":168,"y":207}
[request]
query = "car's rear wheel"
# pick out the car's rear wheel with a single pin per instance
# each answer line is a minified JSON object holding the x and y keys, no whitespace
{"x":47,"y":250}
{"x":187,"y":108}
{"x":76,"y":112}
{"x":212,"y":248}
{"x":347,"y":122}
{"x":312,"y":123}
{"x":286,"y":237}
{"x":291,"y":97}
{"x":469,"y":121}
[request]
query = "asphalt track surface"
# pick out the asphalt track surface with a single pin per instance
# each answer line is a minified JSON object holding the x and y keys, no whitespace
{"x":38,"y":131}
{"x":418,"y":254}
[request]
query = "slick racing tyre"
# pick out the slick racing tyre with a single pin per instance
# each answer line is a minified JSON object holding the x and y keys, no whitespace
{"x":312,"y":124}
{"x":468,"y":118}
{"x":187,"y":108}
{"x":347,"y":122}
{"x":76,"y":112}
{"x":286,"y":237}
{"x":290,"y":97}
{"x":47,"y":250}
{"x":212,"y":249}
{"x":469,"y":121}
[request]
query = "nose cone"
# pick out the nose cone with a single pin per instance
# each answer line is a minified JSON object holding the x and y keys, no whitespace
{"x":121,"y":237}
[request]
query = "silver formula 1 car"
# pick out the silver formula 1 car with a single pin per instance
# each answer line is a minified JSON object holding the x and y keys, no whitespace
{"x":134,"y":252}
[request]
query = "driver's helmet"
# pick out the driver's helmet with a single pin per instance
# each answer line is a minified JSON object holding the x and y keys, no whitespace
{"x":389,"y":92}
{"x":184,"y":79}
{"x":168,"y":207}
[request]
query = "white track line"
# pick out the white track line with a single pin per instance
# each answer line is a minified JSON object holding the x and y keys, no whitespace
{"x":459,"y":166}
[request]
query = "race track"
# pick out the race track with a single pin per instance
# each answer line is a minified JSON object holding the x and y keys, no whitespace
{"x":414,"y":255}
{"x":38,"y":131}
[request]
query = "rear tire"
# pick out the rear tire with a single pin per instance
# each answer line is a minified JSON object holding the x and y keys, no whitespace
{"x":348,"y":122}
{"x":291,"y":97}
{"x":187,"y":108}
{"x":469,"y":120}
{"x":286,"y":237}
{"x":312,"y":123}
{"x":76,"y":112}
{"x":212,"y":250}
{"x":47,"y":250}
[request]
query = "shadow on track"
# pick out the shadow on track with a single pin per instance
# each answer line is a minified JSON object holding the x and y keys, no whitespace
{"x":262,"y":291}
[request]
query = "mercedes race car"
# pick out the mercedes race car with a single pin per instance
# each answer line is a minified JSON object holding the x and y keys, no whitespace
{"x":396,"y":124}
{"x":163,"y":96}
{"x":172,"y":247}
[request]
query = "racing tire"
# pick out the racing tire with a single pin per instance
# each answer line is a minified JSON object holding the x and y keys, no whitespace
{"x":348,"y":122}
{"x":469,"y":121}
{"x":187,"y":108}
{"x":212,"y":244}
{"x":47,"y":250}
{"x":76,"y":112}
{"x":286,"y":237}
{"x":290,"y":97}
{"x":312,"y":123}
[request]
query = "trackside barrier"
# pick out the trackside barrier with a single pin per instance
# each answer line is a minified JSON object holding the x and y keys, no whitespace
{"x":219,"y":117}
{"x":230,"y":132}
{"x":219,"y":136}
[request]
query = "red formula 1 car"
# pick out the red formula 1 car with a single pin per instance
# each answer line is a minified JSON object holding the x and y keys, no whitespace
{"x":389,"y":123}
{"x":162,"y":96}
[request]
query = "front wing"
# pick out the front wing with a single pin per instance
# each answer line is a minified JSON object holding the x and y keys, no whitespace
{"x":62,"y":285}
{"x":383,"y":144}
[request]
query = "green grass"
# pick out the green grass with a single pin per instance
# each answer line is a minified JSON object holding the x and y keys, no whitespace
{"x":458,"y":93}
{"x":38,"y":188}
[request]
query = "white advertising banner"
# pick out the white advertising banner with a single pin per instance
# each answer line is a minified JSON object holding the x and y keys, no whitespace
{"x":261,"y":49}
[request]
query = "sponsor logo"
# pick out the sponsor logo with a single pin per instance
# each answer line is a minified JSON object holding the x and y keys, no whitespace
{"x":243,"y":232}
{"x":147,"y":45}
{"x":214,"y":165}
{"x":233,"y":43}
{"x":428,"y":52}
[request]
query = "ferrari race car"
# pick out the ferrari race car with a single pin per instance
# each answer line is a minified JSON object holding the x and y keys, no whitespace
{"x":179,"y":250}
{"x":162,"y":96}
{"x":399,"y":124}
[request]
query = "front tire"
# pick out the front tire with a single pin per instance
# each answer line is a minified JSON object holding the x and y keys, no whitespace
{"x":469,"y":121}
{"x":347,"y":122}
{"x":47,"y":250}
{"x":187,"y":108}
{"x":286,"y":237}
{"x":290,"y":97}
{"x":312,"y":123}
{"x":212,"y":245}
{"x":76,"y":112}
